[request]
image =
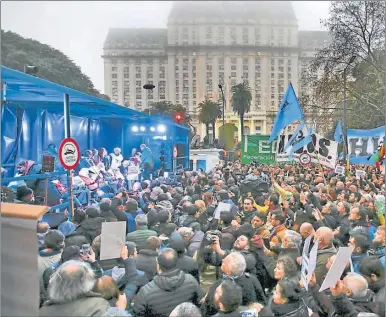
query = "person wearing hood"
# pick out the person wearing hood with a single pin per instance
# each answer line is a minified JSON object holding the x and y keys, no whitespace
{"x":131,"y":211}
{"x":91,"y":227}
{"x":168,"y":289}
{"x":51,"y":254}
{"x":142,"y":233}
{"x":184,"y":262}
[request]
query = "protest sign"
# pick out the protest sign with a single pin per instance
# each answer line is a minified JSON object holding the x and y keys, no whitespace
{"x":321,"y":150}
{"x":360,"y":174}
{"x":221,"y":207}
{"x":339,"y":170}
{"x":256,"y":148}
{"x":113,"y":237}
{"x":362,"y":144}
{"x":337,"y":268}
{"x":308,"y":261}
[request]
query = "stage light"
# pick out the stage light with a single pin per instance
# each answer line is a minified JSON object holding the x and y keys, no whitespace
{"x":142,"y":128}
{"x":161,"y":128}
{"x":134,"y":128}
{"x":152,"y":129}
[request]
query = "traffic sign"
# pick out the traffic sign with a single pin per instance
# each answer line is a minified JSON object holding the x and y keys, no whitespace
{"x":305,"y":158}
{"x":69,"y":154}
{"x":175,"y":152}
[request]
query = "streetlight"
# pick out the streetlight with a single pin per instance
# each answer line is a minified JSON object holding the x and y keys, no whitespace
{"x":345,"y":117}
{"x":223,"y":104}
{"x":148,"y":87}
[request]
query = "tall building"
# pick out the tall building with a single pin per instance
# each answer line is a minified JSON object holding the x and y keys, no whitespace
{"x":206,"y":44}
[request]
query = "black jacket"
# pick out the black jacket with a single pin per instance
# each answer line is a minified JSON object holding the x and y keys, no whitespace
{"x":147,"y":262}
{"x":190,"y":221}
{"x":294,"y":309}
{"x":167,"y":290}
{"x":189,"y":266}
{"x":251,"y":290}
{"x":90,"y":228}
{"x":120,"y":215}
{"x":75,"y":239}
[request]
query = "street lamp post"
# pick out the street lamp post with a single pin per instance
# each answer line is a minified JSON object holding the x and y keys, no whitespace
{"x":223,"y":104}
{"x":345,"y":113}
{"x":148,"y":87}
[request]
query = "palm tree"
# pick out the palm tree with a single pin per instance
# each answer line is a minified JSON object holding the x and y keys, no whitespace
{"x":208,"y":113}
{"x":241,"y":102}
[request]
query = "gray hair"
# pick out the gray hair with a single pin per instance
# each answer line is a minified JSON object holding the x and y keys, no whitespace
{"x":141,"y":220}
{"x":186,"y":310}
{"x":294,"y":239}
{"x":357,"y":284}
{"x":237,"y":264}
{"x":71,"y":280}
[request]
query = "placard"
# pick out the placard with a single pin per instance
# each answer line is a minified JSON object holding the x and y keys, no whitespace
{"x":221,"y":207}
{"x":360,"y":174}
{"x":113,"y":237}
{"x":321,"y":150}
{"x":339,"y":170}
{"x":308,"y":261}
{"x":337,"y":268}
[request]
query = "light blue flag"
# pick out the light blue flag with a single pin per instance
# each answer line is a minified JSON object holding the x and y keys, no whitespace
{"x":338,"y":135}
{"x":312,"y":129}
{"x":289,"y":112}
{"x":298,"y":145}
{"x":292,"y":140}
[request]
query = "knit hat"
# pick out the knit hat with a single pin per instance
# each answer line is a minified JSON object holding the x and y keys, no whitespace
{"x":54,"y":239}
{"x":92,"y":212}
{"x":130,"y":247}
{"x":71,"y":252}
{"x":131,"y":205}
{"x":22,"y":192}
{"x":246,"y":230}
{"x":67,"y":228}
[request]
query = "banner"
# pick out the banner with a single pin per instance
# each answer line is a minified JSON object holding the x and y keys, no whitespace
{"x":321,"y":150}
{"x":362,"y":144}
{"x":256,"y":148}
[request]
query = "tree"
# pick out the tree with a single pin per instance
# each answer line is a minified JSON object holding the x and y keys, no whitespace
{"x":356,"y":28}
{"x":53,"y":65}
{"x":168,"y":109}
{"x":208,"y":112}
{"x":241,"y":102}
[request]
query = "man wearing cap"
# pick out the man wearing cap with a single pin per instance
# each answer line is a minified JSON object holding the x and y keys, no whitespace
{"x":54,"y":244}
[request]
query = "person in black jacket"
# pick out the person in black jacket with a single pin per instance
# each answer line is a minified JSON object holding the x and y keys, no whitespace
{"x":91,"y":227}
{"x":168,"y":289}
{"x":233,"y":268}
{"x":184,"y":262}
{"x":147,"y":258}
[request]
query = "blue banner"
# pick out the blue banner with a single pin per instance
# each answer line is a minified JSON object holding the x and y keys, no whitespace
{"x":362,"y":144}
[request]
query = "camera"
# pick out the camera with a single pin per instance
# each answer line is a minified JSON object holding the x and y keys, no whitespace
{"x":210,"y":236}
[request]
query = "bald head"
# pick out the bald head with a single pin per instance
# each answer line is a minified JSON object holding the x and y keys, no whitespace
{"x":325,"y":236}
{"x":167,"y":260}
{"x":306,"y":229}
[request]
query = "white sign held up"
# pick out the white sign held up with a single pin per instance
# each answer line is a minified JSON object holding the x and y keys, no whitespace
{"x":113,"y":237}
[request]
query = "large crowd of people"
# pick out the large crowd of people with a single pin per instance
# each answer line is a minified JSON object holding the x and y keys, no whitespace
{"x":224,"y":243}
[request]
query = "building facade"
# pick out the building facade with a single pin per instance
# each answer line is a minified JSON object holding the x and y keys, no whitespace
{"x":206,"y":44}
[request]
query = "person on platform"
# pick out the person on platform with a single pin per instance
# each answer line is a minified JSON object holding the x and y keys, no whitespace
{"x":147,"y":161}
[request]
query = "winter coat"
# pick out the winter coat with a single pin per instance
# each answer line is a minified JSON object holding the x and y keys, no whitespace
{"x":321,"y":260}
{"x":90,"y":228}
{"x":191,"y":221}
{"x":48,"y":258}
{"x":147,"y":262}
{"x":294,"y":309}
{"x":89,"y":305}
{"x":75,"y":239}
{"x":189,"y":266}
{"x":167,"y":290}
{"x":140,"y":236}
{"x":195,"y":242}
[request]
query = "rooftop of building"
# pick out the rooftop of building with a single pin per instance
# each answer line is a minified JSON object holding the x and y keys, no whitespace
{"x":136,"y":37}
{"x":307,"y":37}
{"x":251,"y":10}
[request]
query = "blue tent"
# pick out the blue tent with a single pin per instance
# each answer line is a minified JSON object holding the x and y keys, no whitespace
{"x":33,"y":116}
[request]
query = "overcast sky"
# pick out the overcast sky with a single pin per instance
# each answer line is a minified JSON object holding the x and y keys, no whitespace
{"x":79,"y":28}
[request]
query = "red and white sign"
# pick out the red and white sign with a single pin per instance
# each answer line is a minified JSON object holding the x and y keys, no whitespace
{"x":175,"y":152}
{"x":69,"y":154}
{"x":305,"y":158}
